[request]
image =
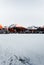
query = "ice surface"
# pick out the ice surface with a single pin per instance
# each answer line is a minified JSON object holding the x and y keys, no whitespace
{"x":22,"y":49}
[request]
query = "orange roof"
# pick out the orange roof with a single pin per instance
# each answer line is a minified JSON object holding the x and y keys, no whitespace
{"x":1,"y":26}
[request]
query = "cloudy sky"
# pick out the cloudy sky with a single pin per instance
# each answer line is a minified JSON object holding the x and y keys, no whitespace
{"x":24,"y":12}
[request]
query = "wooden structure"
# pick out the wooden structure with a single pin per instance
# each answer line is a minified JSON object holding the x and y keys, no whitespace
{"x":16,"y":29}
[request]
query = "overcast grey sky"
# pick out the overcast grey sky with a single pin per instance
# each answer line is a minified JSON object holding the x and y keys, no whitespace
{"x":24,"y":12}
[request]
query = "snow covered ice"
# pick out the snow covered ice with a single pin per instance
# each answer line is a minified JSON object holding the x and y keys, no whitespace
{"x":22,"y":49}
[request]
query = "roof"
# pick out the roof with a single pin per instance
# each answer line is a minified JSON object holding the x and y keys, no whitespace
{"x":1,"y":26}
{"x":16,"y":25}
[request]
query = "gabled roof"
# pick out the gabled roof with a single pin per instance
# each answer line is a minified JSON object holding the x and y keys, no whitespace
{"x":15,"y":25}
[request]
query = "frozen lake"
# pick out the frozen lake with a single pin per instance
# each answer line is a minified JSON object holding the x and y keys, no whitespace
{"x":29,"y":45}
